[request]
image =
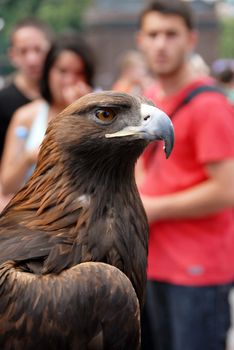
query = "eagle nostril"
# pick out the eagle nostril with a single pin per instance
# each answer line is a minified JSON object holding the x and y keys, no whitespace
{"x":147,"y":117}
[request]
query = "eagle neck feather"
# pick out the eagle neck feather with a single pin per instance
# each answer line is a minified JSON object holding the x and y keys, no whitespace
{"x":90,"y":212}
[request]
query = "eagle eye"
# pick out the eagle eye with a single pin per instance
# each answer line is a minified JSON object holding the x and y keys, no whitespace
{"x":105,"y":114}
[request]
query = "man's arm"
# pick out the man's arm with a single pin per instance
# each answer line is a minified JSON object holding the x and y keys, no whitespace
{"x":209,"y":197}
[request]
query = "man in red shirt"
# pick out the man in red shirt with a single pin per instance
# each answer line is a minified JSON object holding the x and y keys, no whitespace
{"x":189,"y":197}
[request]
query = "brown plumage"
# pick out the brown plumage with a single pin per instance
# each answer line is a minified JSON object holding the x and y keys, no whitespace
{"x":74,"y":239}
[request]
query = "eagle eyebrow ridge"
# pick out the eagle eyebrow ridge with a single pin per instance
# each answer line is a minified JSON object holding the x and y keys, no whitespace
{"x":95,"y":106}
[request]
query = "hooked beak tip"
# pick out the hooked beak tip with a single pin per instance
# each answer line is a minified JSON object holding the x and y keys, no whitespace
{"x":169,"y":143}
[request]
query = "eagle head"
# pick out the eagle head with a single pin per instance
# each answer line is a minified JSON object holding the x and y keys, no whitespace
{"x":108,"y":126}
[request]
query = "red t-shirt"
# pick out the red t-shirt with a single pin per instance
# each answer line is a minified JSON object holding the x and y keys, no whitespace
{"x":191,"y":251}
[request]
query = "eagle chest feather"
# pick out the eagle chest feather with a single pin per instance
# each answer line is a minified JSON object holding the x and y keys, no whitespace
{"x":106,"y":230}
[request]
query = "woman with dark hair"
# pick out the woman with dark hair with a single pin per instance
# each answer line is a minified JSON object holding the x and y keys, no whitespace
{"x":67,"y":75}
{"x":72,"y":43}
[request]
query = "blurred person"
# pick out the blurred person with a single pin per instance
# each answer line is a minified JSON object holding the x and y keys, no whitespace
{"x":223,"y":71}
{"x":189,"y":197}
{"x":199,"y":65}
{"x":29,"y":42}
{"x":67,"y":75}
{"x":134,"y":76}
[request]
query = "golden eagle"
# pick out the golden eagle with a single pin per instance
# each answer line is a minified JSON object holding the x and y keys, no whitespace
{"x":74,"y":238}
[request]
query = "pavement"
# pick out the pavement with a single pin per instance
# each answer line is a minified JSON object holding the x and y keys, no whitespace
{"x":230,"y":338}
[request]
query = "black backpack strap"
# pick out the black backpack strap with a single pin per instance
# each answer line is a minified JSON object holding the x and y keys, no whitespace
{"x":194,"y":93}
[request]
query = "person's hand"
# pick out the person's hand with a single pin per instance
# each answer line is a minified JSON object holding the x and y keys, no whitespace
{"x":73,"y":92}
{"x":32,"y":156}
{"x":4,"y":199}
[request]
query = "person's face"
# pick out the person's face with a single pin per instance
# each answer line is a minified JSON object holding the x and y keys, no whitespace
{"x":68,"y":70}
{"x":166,"y":42}
{"x":28,"y":51}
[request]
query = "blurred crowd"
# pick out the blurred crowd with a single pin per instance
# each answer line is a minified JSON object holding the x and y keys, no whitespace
{"x":188,"y":198}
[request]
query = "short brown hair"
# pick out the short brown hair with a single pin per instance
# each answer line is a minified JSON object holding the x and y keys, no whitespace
{"x":169,"y":7}
{"x":34,"y":22}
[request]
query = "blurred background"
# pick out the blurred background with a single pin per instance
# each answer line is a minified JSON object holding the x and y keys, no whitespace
{"x":110,"y":27}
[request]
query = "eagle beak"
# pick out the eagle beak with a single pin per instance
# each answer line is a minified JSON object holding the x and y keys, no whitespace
{"x":155,"y":125}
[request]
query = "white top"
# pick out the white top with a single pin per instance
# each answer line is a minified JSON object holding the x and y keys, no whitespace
{"x":36,"y":133}
{"x":38,"y":128}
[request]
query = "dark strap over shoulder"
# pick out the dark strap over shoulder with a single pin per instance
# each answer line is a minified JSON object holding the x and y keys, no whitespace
{"x":194,"y":93}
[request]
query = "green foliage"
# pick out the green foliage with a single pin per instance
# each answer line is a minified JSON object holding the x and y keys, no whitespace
{"x":226,"y":42}
{"x":63,"y":14}
{"x":60,"y":14}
